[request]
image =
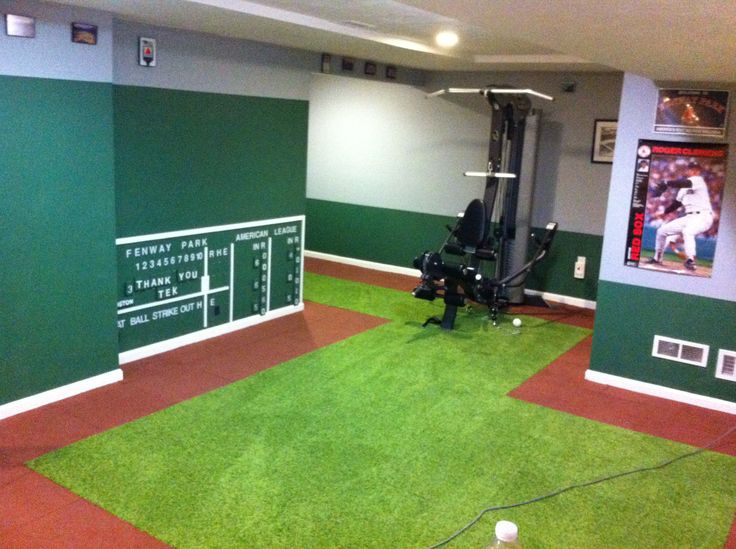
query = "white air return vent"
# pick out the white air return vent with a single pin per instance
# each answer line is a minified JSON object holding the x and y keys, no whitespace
{"x":726,"y":366}
{"x":680,"y":351}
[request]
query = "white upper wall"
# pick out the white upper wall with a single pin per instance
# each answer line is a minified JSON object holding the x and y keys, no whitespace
{"x":387,"y":145}
{"x":372,"y":142}
{"x":636,"y":122}
{"x":206,"y":63}
{"x":52,"y":54}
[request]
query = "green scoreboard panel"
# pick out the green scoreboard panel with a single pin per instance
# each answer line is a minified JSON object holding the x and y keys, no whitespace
{"x":184,"y":286}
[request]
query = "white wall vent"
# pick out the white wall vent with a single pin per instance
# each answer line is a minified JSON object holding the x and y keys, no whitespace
{"x":680,"y":351}
{"x":726,"y":365}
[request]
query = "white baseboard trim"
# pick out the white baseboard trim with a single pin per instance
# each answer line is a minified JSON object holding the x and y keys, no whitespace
{"x":565,"y":300}
{"x":385,"y":267}
{"x":207,"y":333}
{"x":661,"y":392}
{"x":59,"y":393}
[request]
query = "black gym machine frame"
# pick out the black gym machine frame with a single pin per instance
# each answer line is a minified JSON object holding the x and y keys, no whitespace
{"x":481,"y":270}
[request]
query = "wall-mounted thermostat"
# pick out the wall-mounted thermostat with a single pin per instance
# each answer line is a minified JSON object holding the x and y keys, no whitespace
{"x":147,"y":52}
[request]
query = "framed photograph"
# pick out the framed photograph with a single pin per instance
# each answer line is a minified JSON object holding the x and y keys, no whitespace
{"x":146,"y":52}
{"x":692,"y":112}
{"x":348,"y":64}
{"x":20,"y":25}
{"x":604,"y":141}
{"x":391,"y":72}
{"x":83,"y":33}
{"x":326,"y":65}
{"x":370,"y":68}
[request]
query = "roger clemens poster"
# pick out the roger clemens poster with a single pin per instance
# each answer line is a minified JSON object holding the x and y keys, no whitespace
{"x":676,"y":207}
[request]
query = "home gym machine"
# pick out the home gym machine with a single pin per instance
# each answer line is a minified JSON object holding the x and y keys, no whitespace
{"x":484,"y":258}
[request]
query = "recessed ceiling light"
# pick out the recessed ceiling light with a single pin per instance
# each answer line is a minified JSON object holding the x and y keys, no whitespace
{"x":446,"y":39}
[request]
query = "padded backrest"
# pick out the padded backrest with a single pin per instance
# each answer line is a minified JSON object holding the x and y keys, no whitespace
{"x":473,"y":227}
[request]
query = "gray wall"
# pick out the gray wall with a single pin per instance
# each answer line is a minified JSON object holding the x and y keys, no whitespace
{"x":52,"y":54}
{"x":382,"y":145}
{"x":206,"y":63}
{"x":203,"y":62}
{"x":637,"y":122}
{"x":569,"y":188}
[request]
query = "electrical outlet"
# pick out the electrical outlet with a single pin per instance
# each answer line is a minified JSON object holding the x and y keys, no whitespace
{"x":579,"y":267}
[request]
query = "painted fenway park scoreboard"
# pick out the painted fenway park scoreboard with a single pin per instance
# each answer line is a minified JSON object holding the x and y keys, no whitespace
{"x":180,"y":287}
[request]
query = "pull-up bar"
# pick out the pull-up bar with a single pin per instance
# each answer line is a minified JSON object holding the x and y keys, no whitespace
{"x":500,"y":175}
{"x":498,"y":91}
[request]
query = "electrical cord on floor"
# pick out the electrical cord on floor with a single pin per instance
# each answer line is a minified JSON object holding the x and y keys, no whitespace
{"x":662,"y":465}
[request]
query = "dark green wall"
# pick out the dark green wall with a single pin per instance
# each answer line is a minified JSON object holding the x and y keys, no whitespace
{"x":395,"y":237}
{"x":57,"y":239}
{"x":189,"y":159}
{"x":623,"y":337}
{"x":387,"y":236}
{"x":72,"y":155}
{"x":554,"y":273}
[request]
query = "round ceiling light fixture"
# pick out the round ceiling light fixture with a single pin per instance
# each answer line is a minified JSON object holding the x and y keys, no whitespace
{"x":446,"y":39}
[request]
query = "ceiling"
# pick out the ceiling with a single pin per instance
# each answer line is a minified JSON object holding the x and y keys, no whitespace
{"x":662,"y":40}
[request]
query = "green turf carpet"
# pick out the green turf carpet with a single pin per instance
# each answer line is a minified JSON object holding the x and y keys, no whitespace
{"x":395,"y":438}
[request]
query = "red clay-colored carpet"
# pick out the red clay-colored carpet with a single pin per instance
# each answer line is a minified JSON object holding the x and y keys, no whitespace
{"x":36,"y":513}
